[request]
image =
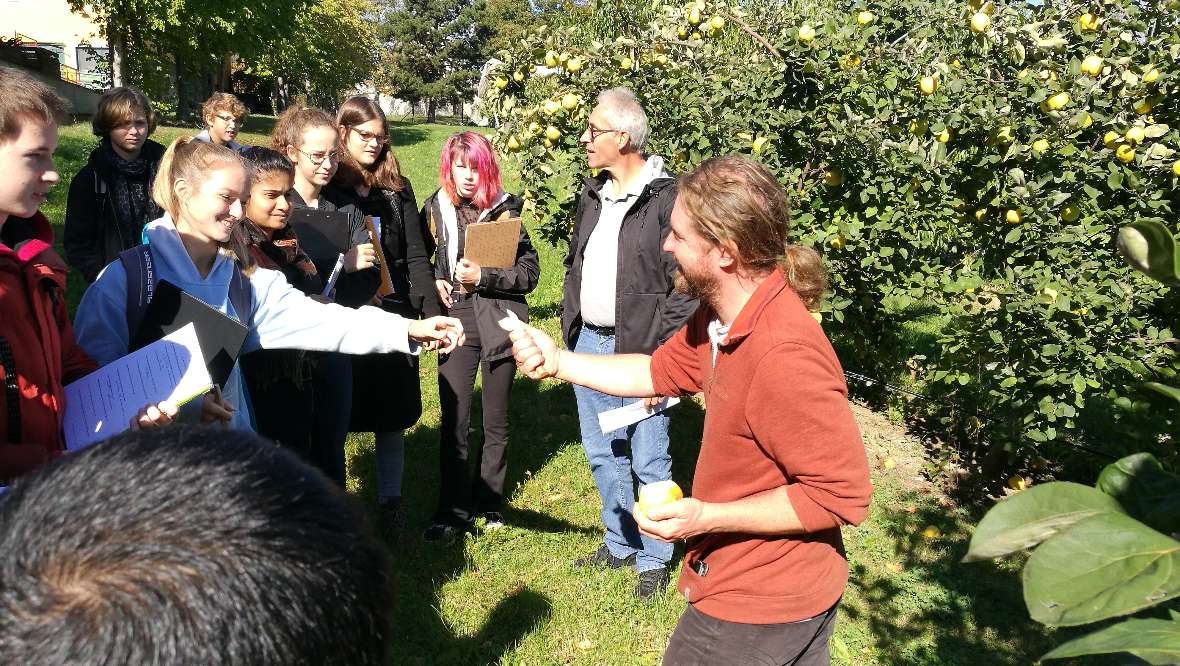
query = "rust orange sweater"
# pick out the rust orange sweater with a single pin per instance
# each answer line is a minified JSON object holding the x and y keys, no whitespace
{"x":776,"y":413}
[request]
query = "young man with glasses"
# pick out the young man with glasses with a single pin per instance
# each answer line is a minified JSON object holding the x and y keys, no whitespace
{"x":224,"y":116}
{"x":625,"y":304}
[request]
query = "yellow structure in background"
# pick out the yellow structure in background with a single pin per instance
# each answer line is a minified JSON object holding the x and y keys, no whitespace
{"x":74,"y":37}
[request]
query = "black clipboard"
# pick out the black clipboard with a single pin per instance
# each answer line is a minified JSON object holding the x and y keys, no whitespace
{"x":324,"y":235}
{"x":220,"y":335}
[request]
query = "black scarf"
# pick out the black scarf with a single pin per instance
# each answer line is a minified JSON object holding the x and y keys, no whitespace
{"x":129,"y":183}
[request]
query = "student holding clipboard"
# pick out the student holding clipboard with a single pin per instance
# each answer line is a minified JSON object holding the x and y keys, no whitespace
{"x":386,"y":387}
{"x":478,"y":296}
{"x":198,"y":246}
{"x":309,"y":139}
{"x":279,"y":380}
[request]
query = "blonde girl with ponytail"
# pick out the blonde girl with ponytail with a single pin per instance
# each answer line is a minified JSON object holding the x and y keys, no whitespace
{"x":199,"y":246}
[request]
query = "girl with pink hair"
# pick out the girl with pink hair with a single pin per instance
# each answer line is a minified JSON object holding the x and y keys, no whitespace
{"x":470,"y":192}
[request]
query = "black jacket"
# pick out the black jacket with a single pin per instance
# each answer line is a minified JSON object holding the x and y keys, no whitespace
{"x":93,"y":237}
{"x":401,"y":243}
{"x":499,"y":289}
{"x":648,"y":310}
{"x":352,"y":289}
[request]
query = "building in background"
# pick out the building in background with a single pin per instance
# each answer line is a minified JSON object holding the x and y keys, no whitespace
{"x":76,"y":41}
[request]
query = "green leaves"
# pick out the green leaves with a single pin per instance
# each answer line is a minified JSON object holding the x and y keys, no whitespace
{"x":1145,"y":490}
{"x":1152,"y":640}
{"x":1031,"y":516}
{"x":1104,"y":566}
{"x":1150,"y":248}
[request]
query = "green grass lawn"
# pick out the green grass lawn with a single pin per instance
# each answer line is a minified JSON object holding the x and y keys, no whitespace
{"x":510,"y":596}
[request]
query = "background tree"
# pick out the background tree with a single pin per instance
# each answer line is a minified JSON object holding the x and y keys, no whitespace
{"x":434,"y":51}
{"x":197,"y":37}
{"x":332,"y":50}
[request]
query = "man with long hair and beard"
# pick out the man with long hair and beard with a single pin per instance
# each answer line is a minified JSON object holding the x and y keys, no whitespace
{"x":782,"y":466}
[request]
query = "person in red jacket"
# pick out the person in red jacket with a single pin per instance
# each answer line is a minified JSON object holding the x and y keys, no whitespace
{"x":782,"y":466}
{"x":38,"y":354}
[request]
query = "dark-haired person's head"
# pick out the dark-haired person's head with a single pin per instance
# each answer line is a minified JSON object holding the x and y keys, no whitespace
{"x":367,"y":158}
{"x":272,"y":176}
{"x":125,"y":116}
{"x":188,"y":546}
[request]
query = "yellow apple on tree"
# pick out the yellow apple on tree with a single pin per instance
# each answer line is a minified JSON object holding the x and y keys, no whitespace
{"x":570,"y":101}
{"x":806,"y":32}
{"x":1013,"y":216}
{"x":552,"y":133}
{"x":1125,"y":153}
{"x":1040,"y":146}
{"x":928,"y":85}
{"x":1088,"y":22}
{"x":865,"y":17}
{"x":1070,"y":213}
{"x":1093,"y":64}
{"x":980,"y":22}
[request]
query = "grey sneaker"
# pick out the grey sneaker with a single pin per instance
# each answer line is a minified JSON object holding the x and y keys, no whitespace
{"x":603,"y":558}
{"x":651,"y":583}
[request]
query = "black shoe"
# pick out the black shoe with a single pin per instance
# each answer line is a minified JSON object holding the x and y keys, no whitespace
{"x":391,"y":516}
{"x":440,"y":532}
{"x":493,"y":520}
{"x":651,"y":583}
{"x":603,"y":558}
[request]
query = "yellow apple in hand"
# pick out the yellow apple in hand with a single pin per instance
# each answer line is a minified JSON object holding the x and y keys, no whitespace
{"x":657,"y":494}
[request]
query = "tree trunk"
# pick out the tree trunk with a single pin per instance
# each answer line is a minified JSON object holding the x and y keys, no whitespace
{"x":431,"y":110}
{"x":117,"y":45}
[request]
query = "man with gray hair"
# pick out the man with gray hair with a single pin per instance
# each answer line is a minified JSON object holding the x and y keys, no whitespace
{"x":619,"y":298}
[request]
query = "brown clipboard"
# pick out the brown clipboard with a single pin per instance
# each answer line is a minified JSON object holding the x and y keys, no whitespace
{"x":386,"y":287}
{"x":492,"y":244}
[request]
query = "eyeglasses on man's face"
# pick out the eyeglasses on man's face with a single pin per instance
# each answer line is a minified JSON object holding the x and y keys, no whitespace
{"x":318,"y":158}
{"x":595,"y":132}
{"x":227,"y":119}
{"x":366,"y":137}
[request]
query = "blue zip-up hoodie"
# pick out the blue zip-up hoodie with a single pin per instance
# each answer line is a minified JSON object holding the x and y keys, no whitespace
{"x":283,"y":317}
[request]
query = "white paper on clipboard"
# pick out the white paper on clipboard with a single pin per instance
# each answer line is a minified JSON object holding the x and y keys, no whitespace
{"x":635,"y":412}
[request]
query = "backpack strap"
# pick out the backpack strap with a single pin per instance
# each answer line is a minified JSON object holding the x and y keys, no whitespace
{"x":141,"y":284}
{"x":241,"y":297}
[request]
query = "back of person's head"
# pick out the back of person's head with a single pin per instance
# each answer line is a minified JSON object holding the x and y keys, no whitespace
{"x":622,"y":107}
{"x":188,"y":546}
{"x":222,"y":102}
{"x":118,"y":106}
{"x":736,"y":203}
{"x":474,"y":150}
{"x":24,"y":98}
{"x":294,"y":122}
{"x":385,"y":172}
{"x":266,"y":161}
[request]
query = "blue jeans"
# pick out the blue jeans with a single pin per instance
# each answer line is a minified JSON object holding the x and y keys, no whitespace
{"x":619,"y":460}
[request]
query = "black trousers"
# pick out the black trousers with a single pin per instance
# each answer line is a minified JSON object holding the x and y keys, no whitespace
{"x":332,"y":388}
{"x":459,"y":495}
{"x":700,"y":640}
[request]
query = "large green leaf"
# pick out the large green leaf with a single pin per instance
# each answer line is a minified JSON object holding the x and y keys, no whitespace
{"x":1145,"y":490}
{"x":1031,"y":516}
{"x":1149,"y":247}
{"x":1154,"y":641}
{"x":1170,"y":391}
{"x":1104,"y":566}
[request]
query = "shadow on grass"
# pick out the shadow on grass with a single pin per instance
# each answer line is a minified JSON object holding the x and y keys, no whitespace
{"x":406,"y":135}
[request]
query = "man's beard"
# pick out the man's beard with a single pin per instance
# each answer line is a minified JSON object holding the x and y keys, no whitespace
{"x":701,"y":286}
